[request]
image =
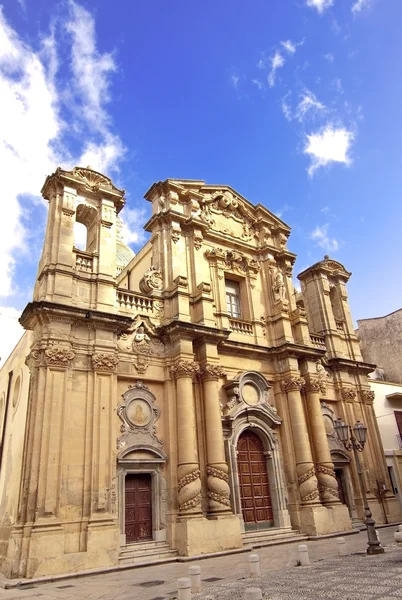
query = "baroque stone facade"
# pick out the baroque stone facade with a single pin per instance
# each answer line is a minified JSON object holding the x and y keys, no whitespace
{"x":185,"y":395}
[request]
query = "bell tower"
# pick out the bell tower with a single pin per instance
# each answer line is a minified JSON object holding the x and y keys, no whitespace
{"x":82,"y":277}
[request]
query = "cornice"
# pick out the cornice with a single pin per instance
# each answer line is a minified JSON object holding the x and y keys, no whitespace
{"x":338,"y":363}
{"x":48,"y":309}
{"x":194,"y":331}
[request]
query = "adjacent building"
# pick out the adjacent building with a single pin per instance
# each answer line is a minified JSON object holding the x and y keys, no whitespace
{"x":183,"y":399}
{"x":381,"y":343}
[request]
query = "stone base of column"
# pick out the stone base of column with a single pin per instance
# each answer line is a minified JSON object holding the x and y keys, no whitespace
{"x":322,"y":520}
{"x":201,"y":536}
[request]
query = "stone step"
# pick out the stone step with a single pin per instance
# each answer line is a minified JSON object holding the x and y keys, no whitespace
{"x":260,"y":539}
{"x":140,"y":546}
{"x":145,"y":553}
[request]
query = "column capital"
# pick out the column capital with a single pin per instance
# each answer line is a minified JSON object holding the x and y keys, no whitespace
{"x":348,"y":393}
{"x":184,"y":368}
{"x":291,"y":384}
{"x":210,"y":372}
{"x":314,"y":385}
{"x":367,"y":396}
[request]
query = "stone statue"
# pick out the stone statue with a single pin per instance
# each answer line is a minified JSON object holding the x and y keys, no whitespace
{"x":279,"y":286}
{"x":141,"y":336}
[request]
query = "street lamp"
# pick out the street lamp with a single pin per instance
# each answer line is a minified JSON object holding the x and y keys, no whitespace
{"x":358,"y":436}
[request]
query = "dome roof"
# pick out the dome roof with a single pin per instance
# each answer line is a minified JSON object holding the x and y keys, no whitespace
{"x":124,"y":254}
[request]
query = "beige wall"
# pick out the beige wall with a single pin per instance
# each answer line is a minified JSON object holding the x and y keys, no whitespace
{"x":381,"y":343}
{"x":384,"y":410}
{"x":14,"y":430}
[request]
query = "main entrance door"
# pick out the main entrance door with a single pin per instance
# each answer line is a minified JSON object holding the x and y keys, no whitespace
{"x":138,"y":508}
{"x":254,"y":485}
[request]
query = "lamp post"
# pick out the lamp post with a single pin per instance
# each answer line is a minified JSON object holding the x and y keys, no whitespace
{"x":358,"y":436}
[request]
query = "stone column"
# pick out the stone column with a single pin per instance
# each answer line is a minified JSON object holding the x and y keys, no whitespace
{"x":217,"y":468}
{"x":188,"y":471}
{"x":306,"y":477}
{"x":327,"y":484}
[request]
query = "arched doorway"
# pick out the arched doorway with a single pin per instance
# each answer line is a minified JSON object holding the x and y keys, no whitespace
{"x":253,"y":482}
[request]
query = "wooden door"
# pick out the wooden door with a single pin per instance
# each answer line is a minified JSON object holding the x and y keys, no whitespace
{"x":138,"y":508}
{"x":254,"y":484}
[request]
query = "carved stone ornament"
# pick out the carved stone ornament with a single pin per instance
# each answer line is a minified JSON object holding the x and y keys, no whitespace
{"x":59,"y":354}
{"x":184,"y":368}
{"x":348,"y":393}
{"x":312,"y":385}
{"x":142,"y":344}
{"x":223,"y":211}
{"x":138,"y":414}
{"x":218,"y":488}
{"x":175,"y":232}
{"x":197,"y":239}
{"x":292,"y":384}
{"x":151,"y":281}
{"x":158,"y":308}
{"x":235,"y":261}
{"x":209,"y":372}
{"x":322,"y":375}
{"x":368,"y":396}
{"x":249,"y":390}
{"x":105,"y":361}
{"x":92,"y":179}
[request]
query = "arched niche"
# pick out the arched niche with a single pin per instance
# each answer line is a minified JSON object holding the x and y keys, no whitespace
{"x":141,"y":455}
{"x":248,"y":407}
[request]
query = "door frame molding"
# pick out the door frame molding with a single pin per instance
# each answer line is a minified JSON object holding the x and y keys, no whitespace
{"x":252,"y":418}
{"x":132,"y":461}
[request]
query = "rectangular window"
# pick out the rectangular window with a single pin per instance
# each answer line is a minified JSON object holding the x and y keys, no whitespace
{"x":233,"y":298}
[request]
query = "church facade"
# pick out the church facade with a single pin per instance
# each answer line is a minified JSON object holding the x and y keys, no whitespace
{"x":183,"y":398}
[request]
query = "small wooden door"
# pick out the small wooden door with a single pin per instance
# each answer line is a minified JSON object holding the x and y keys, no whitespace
{"x":254,"y":485}
{"x":138,"y":508}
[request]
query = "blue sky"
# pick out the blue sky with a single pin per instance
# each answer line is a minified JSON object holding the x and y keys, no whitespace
{"x":297,"y":104}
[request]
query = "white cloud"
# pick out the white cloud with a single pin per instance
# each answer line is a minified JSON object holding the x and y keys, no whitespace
{"x":277,"y":62}
{"x":286,"y":108}
{"x":29,"y":125}
{"x":132,"y":230}
{"x":320,"y":236}
{"x":329,"y":57}
{"x":330,"y":144}
{"x":235,"y":81}
{"x":11,"y":331}
{"x":33,"y":121}
{"x":336,"y":84}
{"x":320,"y":5}
{"x":360,"y":5}
{"x":90,"y":68}
{"x":290,"y":46}
{"x":308,"y":105}
{"x":258,"y":83}
{"x":285,"y":208}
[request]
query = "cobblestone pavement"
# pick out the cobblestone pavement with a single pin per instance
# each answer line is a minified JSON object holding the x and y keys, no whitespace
{"x":353,"y":577}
